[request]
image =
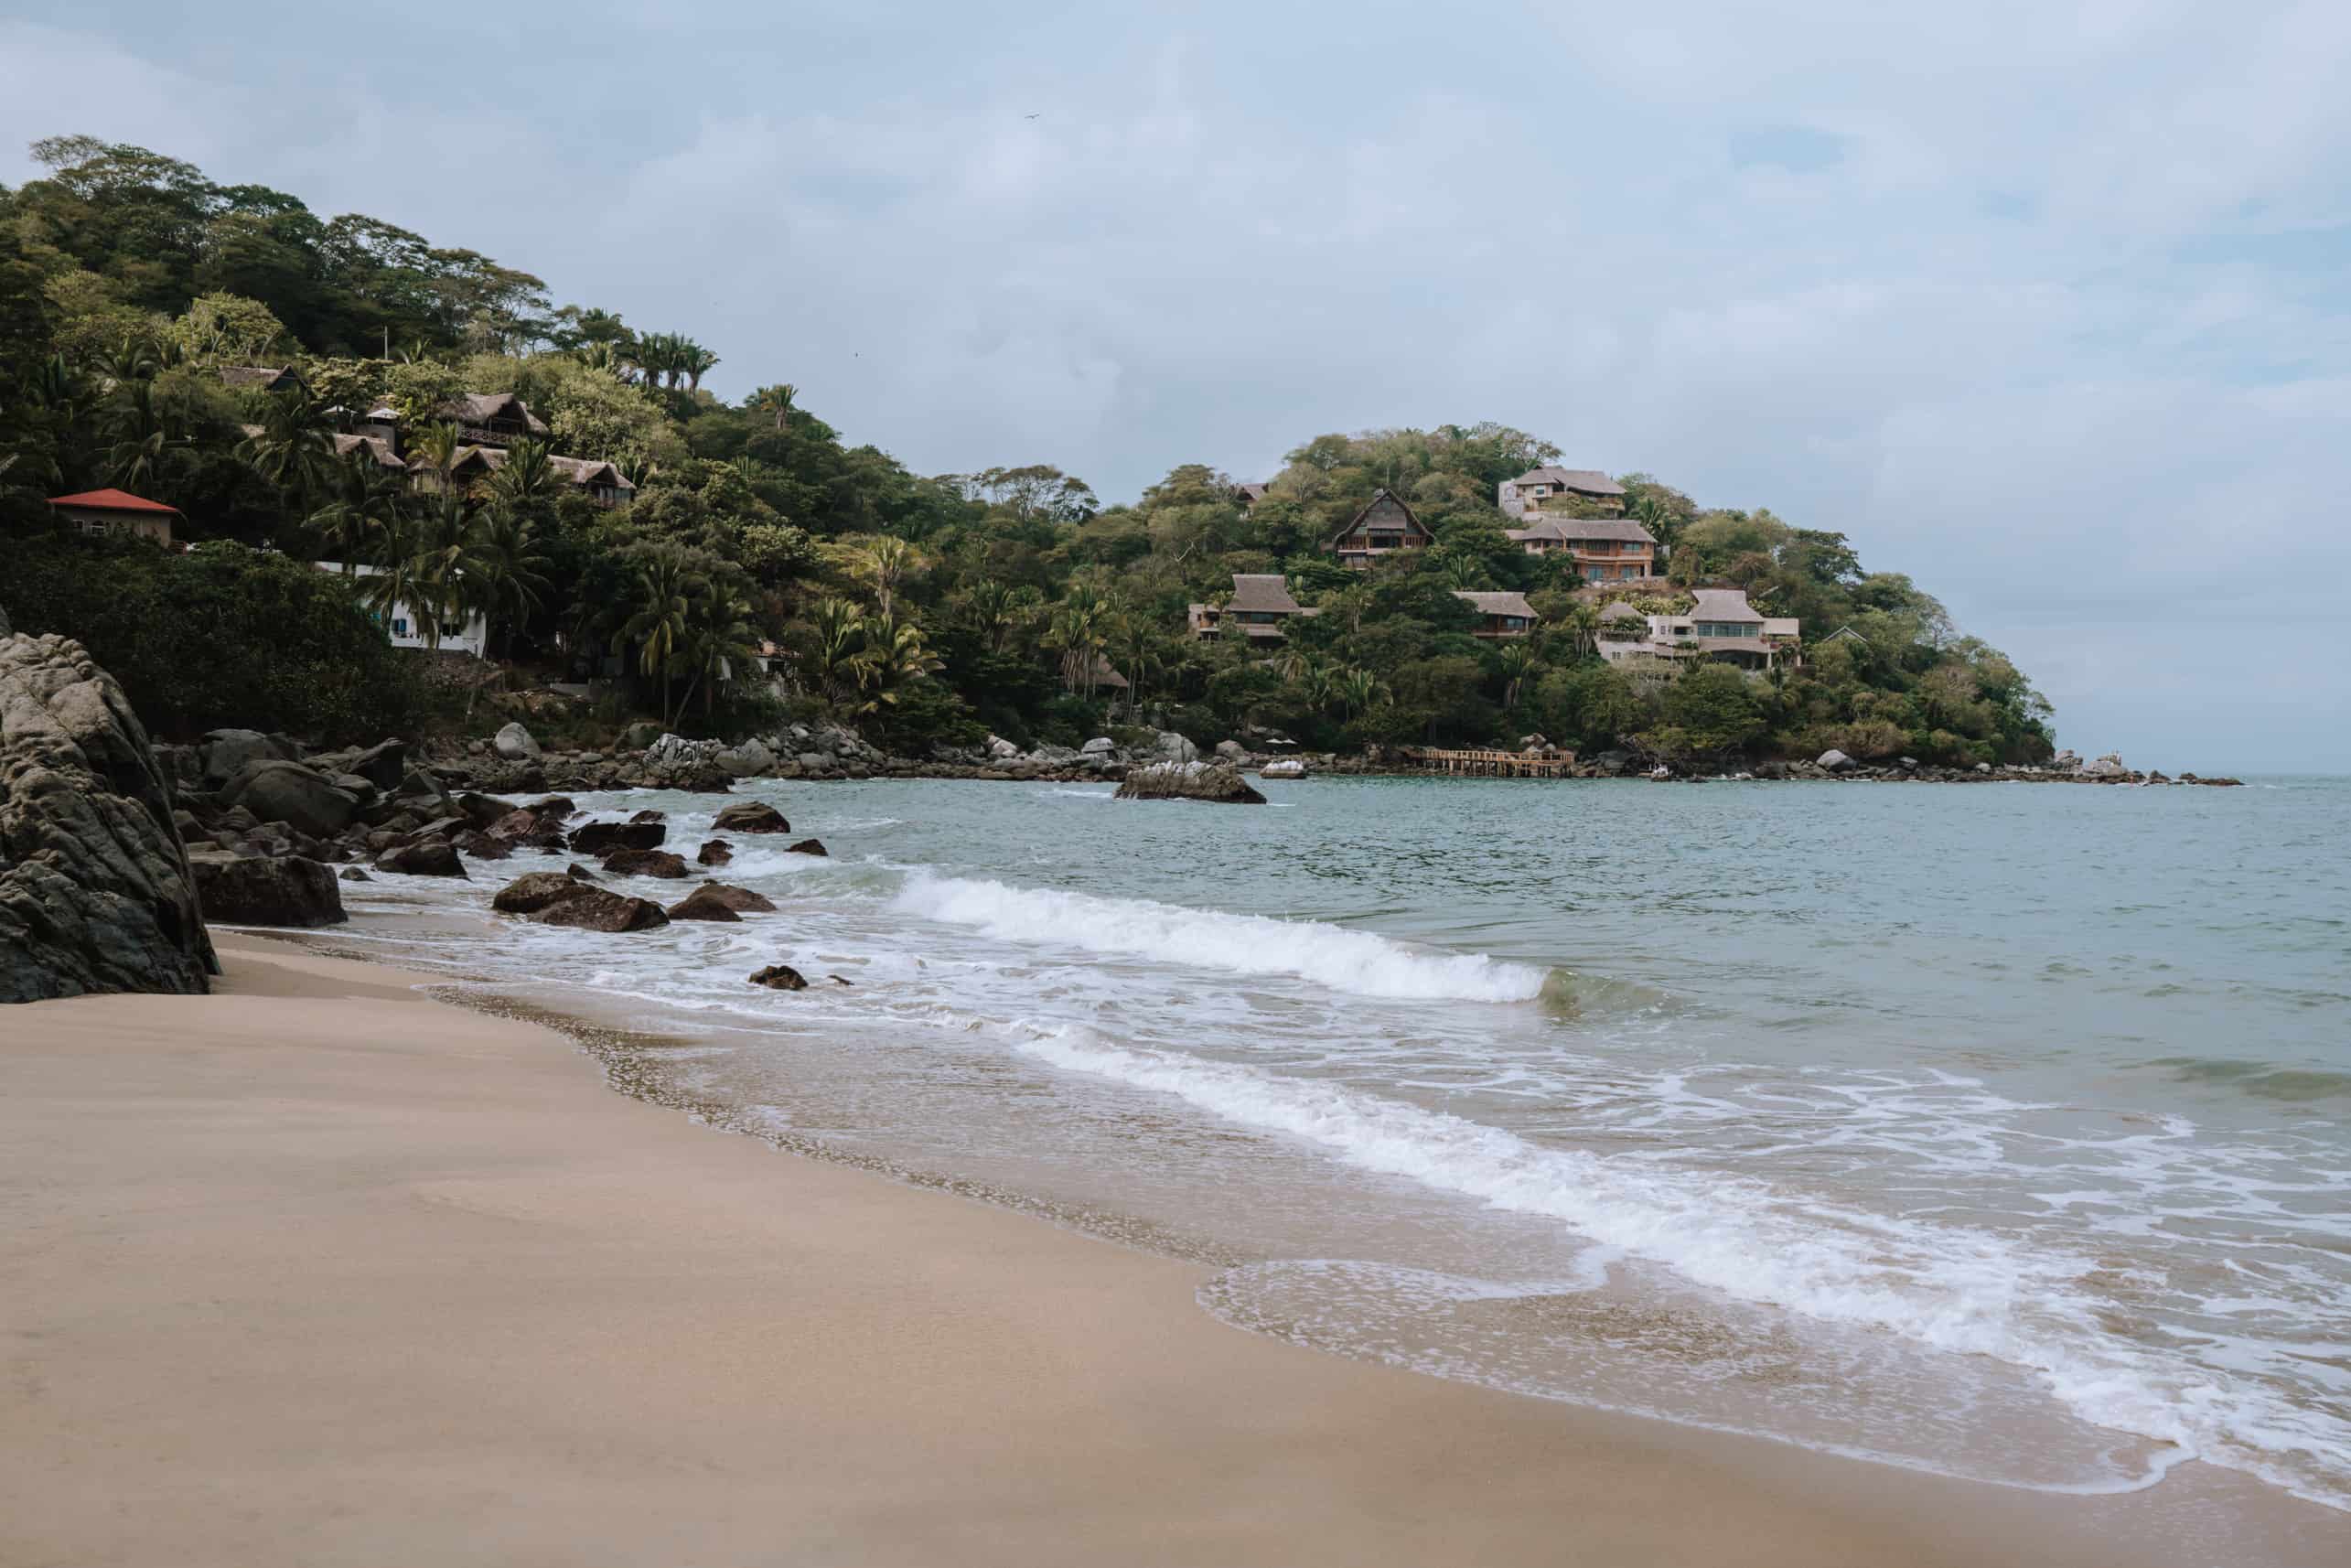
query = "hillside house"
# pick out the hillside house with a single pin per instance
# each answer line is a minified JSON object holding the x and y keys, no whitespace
{"x":1260,"y":605}
{"x":1501,"y":616}
{"x":1604,"y":548}
{"x":261,"y":378}
{"x":1721,"y":625}
{"x":492,"y":419}
{"x":1249,"y":495}
{"x":1384,"y":525}
{"x":96,"y":512}
{"x":473,"y":466}
{"x":1545,"y":489}
{"x":405,"y":628}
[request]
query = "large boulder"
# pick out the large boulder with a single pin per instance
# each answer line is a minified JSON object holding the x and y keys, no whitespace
{"x":227,"y":753}
{"x":748,"y":760}
{"x":717,"y":852}
{"x":741,"y":900}
{"x":595,"y":909}
{"x":288,"y":792}
{"x":2108,"y":767}
{"x":600,"y":838}
{"x":780,"y":977}
{"x":1218,"y":782}
{"x":427,"y":858}
{"x":1288,"y":767}
{"x":96,"y":894}
{"x":1834,"y":761}
{"x":1174,"y":747}
{"x":1001,"y":749}
{"x":267,"y":890}
{"x":807,"y":846}
{"x":514,"y":743}
{"x":1101,"y":746}
{"x":749,"y":817}
{"x":383,"y":765}
{"x":537,"y":891}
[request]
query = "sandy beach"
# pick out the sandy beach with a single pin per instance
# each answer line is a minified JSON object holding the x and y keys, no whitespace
{"x":318,"y":1270}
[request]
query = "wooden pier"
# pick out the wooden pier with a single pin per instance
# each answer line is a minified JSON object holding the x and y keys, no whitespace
{"x":1492,"y":764}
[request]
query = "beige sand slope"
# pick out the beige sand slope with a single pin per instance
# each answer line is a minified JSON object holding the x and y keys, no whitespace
{"x":319,"y":1271}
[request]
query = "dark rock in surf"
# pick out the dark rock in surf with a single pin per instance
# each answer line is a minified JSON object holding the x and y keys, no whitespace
{"x":658,"y":863}
{"x":780,"y":977}
{"x":807,"y":846}
{"x":601,"y":838}
{"x":749,"y":817}
{"x":1218,"y":782}
{"x":267,"y":890}
{"x":717,"y":852}
{"x":427,"y":858}
{"x":593,"y":909}
{"x":536,"y":890}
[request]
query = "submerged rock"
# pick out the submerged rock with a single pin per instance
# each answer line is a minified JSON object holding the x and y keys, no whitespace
{"x":267,"y":890}
{"x":807,"y":846}
{"x":700,"y":905}
{"x":738,"y":900}
{"x":601,"y":838}
{"x":658,"y":863}
{"x":1218,"y":782}
{"x":536,"y":890}
{"x":96,"y":894}
{"x":717,"y":852}
{"x":780,"y":977}
{"x":595,"y":909}
{"x":749,"y":817}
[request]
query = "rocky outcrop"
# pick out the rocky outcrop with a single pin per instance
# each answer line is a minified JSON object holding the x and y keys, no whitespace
{"x":727,"y":897}
{"x":602,"y":838}
{"x":780,"y":977}
{"x":514,"y":743}
{"x":717,"y":852}
{"x":1212,"y":781}
{"x":749,"y":817}
{"x":267,"y":890}
{"x":96,"y":894}
{"x":1288,"y":767}
{"x":2108,"y":767}
{"x":807,"y":846}
{"x":1834,"y":761}
{"x":228,"y":752}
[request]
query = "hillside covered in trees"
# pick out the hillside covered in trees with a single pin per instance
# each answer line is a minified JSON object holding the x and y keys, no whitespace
{"x":930,"y":609}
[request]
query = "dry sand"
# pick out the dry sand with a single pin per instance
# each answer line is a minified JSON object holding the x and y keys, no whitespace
{"x":319,"y":1271}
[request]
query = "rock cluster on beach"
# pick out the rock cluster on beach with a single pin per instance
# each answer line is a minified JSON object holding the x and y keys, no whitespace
{"x":96,"y":891}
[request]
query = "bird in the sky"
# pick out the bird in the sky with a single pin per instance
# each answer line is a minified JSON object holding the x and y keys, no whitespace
{"x":1028,"y":116}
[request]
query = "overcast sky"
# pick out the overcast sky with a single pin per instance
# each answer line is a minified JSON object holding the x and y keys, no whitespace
{"x":2047,"y":305}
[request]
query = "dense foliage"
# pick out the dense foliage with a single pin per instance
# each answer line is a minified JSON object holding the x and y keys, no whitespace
{"x":763,"y":560}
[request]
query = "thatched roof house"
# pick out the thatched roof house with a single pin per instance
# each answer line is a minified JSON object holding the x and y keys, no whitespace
{"x":1261,"y":602}
{"x":492,"y":419}
{"x":262,"y":378}
{"x":1500,"y":615}
{"x":1382,"y":525}
{"x":1525,"y":495}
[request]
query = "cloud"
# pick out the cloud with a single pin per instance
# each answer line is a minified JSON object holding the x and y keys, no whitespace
{"x":2044,"y":304}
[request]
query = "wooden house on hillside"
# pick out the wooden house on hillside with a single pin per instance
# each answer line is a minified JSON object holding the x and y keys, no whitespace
{"x":492,"y":419}
{"x":1545,"y":489}
{"x":1259,"y":605}
{"x":1384,"y":525}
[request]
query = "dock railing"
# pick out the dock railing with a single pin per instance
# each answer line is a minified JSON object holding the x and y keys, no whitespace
{"x":1483,"y":764}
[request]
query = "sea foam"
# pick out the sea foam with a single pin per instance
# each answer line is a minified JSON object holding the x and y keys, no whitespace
{"x":1358,"y":963}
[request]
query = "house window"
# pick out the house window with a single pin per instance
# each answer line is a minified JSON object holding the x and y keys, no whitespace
{"x":1387,"y":541}
{"x":1593,"y":574}
{"x":399,"y":625}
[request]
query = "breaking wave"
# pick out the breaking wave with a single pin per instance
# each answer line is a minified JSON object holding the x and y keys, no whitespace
{"x":1356,"y":961}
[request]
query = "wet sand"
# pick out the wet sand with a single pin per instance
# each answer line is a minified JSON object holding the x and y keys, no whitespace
{"x":318,"y":1270}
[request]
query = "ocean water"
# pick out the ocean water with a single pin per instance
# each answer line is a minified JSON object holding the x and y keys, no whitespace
{"x":2001,"y":1131}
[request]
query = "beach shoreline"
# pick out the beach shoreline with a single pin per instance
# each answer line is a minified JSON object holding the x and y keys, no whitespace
{"x":320,"y":1270}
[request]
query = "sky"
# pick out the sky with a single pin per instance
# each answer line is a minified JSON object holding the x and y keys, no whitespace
{"x":2047,"y":305}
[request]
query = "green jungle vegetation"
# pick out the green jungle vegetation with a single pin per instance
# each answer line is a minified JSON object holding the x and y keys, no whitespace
{"x":926,"y":609}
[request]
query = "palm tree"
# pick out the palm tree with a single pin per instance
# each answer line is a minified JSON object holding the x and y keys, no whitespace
{"x":134,"y":359}
{"x":527,"y":478}
{"x":1518,"y":661}
{"x":839,"y":645}
{"x":1076,"y":630}
{"x":883,"y":560}
{"x":663,"y":619}
{"x":777,"y":400}
{"x":363,"y":501}
{"x":439,"y":444}
{"x":894,"y":656}
{"x":697,"y":362}
{"x":398,"y":580}
{"x":997,"y":611}
{"x":718,"y":642}
{"x":512,"y":571}
{"x":294,"y":446}
{"x":1360,"y":690}
{"x":1138,"y":645}
{"x":1580,"y":624}
{"x":450,"y":572}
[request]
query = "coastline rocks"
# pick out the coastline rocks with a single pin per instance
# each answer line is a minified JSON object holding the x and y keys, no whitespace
{"x":479,"y":845}
{"x":1835,"y":761}
{"x":1101,"y":746}
{"x":780,"y":977}
{"x":601,"y":838}
{"x":536,"y":890}
{"x":427,"y":858}
{"x":256,"y":890}
{"x":1218,"y":782}
{"x":749,"y":817}
{"x":228,"y":752}
{"x":288,"y":792}
{"x":1174,"y":747}
{"x":717,"y":852}
{"x":807,"y":846}
{"x":579,"y":873}
{"x":383,"y":765}
{"x":514,"y":743}
{"x":998,"y":747}
{"x":2107,"y":767}
{"x":593,"y":909}
{"x":96,"y":894}
{"x":649,"y":815}
{"x":353,"y":873}
{"x":1290,"y":768}
{"x":747,"y":760}
{"x":658,"y":863}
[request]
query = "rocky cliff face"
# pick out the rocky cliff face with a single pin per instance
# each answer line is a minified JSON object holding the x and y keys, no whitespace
{"x":95,"y":890}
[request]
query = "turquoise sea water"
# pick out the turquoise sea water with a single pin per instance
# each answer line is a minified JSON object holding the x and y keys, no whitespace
{"x":1999,"y":1130}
